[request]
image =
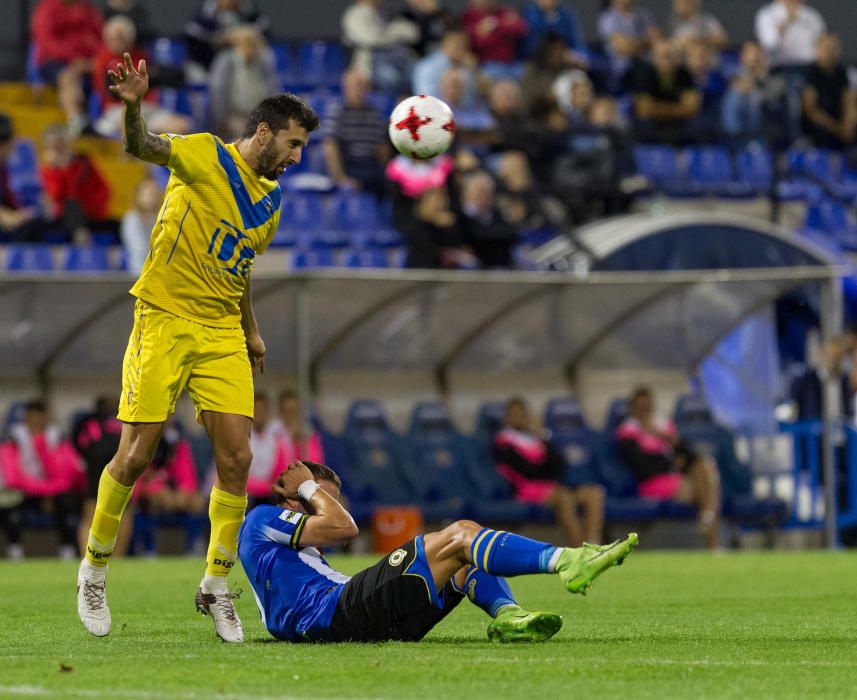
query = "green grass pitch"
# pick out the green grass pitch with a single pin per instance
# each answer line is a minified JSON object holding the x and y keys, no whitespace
{"x":664,"y":625}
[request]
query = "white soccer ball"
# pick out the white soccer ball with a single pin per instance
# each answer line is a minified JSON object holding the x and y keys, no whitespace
{"x":422,"y":127}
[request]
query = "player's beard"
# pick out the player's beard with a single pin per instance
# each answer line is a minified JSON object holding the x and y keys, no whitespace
{"x":268,"y":161}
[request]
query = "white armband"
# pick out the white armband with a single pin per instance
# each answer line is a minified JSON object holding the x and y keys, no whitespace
{"x":307,"y":489}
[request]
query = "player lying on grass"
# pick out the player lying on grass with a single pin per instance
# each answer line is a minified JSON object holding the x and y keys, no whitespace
{"x":403,"y":596}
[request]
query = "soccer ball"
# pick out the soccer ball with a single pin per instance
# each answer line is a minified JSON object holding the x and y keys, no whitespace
{"x":422,"y":127}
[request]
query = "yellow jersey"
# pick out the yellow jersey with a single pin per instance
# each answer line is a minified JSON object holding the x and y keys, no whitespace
{"x":217,"y":216}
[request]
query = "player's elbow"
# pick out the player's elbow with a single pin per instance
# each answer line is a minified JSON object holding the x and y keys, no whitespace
{"x":348,"y":530}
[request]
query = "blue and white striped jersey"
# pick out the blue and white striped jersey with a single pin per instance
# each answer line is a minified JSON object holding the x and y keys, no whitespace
{"x":295,"y":588}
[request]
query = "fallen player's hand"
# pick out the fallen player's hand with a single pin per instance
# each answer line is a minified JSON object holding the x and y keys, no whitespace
{"x":287,"y":483}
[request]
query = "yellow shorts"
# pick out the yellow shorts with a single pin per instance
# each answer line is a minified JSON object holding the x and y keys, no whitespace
{"x":166,"y":354}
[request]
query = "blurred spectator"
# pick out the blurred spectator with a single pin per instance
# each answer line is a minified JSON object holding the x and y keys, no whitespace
{"x":301,"y":439}
{"x":743,"y":103}
{"x":522,"y":202}
{"x":666,"y":467}
{"x":354,"y":138}
{"x":689,"y":23}
{"x":409,"y":178}
{"x":538,"y":473}
{"x":66,"y":35}
{"x":76,"y":191}
{"x":547,"y":136}
{"x":626,"y":31}
{"x":169,"y":484}
{"x":453,"y":52}
{"x":95,"y":436}
{"x":39,"y":462}
{"x":574,"y":95}
{"x":666,"y":100}
{"x":431,"y":21}
{"x":139,"y":222}
{"x":471,"y":115}
{"x":494,"y":32}
{"x":788,"y":30}
{"x":544,"y":17}
{"x":136,"y":12}
{"x":20,"y":187}
{"x":210,"y":29}
{"x":506,"y":105}
{"x":489,"y":235}
{"x":433,"y":234}
{"x":545,"y":66}
{"x":836,"y":358}
{"x":381,"y":47}
{"x":269,"y":452}
{"x":119,"y":37}
{"x":241,"y":77}
{"x":829,"y":101}
{"x":700,"y":62}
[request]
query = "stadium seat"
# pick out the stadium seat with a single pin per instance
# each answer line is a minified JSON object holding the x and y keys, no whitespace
{"x":831,"y":217}
{"x":15,"y":414}
{"x":321,"y":63}
{"x":29,"y":258}
{"x":439,"y":462}
{"x":616,"y":413}
{"x":692,"y":410}
{"x":86,"y":259}
{"x":570,"y":435}
{"x":375,"y":456}
{"x":354,"y":212}
{"x":755,"y":169}
{"x":819,"y":164}
{"x":284,"y":59}
{"x":169,"y":52}
{"x":710,"y":169}
{"x":564,"y":414}
{"x":310,"y":259}
{"x":372,"y":258}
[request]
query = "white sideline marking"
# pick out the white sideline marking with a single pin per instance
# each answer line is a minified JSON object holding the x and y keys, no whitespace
{"x":35,"y":691}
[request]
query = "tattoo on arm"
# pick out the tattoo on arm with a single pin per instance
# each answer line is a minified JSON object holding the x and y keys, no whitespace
{"x":140,"y":142}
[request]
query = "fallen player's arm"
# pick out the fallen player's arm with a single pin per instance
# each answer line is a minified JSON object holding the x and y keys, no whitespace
{"x":329,"y":524}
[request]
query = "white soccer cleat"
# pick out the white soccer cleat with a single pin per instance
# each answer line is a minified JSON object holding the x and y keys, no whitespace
{"x":92,"y":599}
{"x":227,"y":624}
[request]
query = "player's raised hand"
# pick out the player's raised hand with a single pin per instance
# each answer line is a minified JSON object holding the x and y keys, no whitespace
{"x":286,"y":485}
{"x":129,"y":83}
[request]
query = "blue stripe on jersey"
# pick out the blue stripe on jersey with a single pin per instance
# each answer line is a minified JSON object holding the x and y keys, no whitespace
{"x":253,"y":215}
{"x":178,"y":235}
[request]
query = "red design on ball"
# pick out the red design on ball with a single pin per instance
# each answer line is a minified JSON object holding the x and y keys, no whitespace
{"x":412,"y":123}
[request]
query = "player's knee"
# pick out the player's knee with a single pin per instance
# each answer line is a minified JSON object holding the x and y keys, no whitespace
{"x":133,"y":462}
{"x":463,"y":532}
{"x":233,"y":465}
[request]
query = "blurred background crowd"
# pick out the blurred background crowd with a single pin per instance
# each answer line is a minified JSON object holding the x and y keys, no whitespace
{"x":552,"y":130}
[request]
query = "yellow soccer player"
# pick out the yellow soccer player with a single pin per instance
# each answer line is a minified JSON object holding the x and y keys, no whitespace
{"x":194,"y":325}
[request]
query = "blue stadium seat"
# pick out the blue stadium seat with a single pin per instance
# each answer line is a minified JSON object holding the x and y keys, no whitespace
{"x":170,"y":52}
{"x":616,"y":413}
{"x":371,"y":258}
{"x":579,"y":445}
{"x":755,"y":168}
{"x":376,"y":457}
{"x":86,"y":259}
{"x":831,"y":217}
{"x":660,"y":164}
{"x":321,"y":63}
{"x":354,"y":211}
{"x":816,"y":163}
{"x":309,"y":259}
{"x":29,"y":258}
{"x":284,"y":59}
{"x":710,"y":169}
{"x":564,"y":414}
{"x":692,"y":410}
{"x":489,"y":418}
{"x":15,"y":414}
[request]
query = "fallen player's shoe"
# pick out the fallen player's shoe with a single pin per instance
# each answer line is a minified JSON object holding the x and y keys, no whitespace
{"x":514,"y":624}
{"x":578,"y":567}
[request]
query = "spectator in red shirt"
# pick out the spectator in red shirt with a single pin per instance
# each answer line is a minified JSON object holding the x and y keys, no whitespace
{"x":40,"y":463}
{"x":494,"y":33}
{"x":66,"y":35}
{"x":303,"y":442}
{"x":119,"y":37}
{"x":76,"y":191}
{"x":666,"y":467}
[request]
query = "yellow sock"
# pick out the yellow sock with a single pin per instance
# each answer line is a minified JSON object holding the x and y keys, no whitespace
{"x":112,"y":499}
{"x":226,"y":513}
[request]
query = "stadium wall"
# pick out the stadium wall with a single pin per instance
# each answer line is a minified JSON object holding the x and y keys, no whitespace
{"x":303,"y":19}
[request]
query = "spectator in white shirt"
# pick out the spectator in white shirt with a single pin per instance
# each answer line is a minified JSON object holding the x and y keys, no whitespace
{"x":788,"y":30}
{"x":138,"y":222}
{"x":689,"y":23}
{"x":269,"y":452}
